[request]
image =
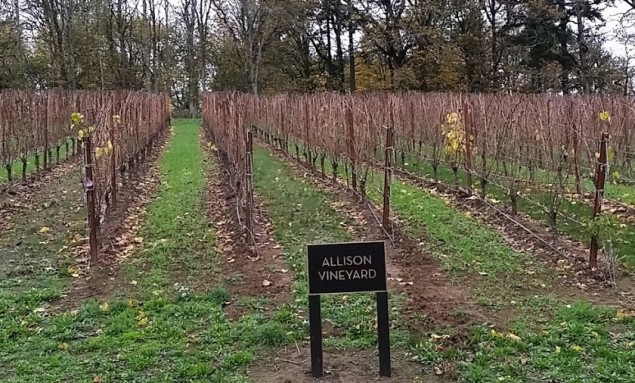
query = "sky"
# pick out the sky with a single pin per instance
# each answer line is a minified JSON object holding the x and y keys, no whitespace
{"x":612,"y":16}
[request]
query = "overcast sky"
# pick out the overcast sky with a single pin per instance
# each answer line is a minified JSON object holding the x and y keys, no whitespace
{"x":612,"y":16}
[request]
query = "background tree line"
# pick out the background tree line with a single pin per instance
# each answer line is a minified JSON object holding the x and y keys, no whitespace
{"x":189,"y":46}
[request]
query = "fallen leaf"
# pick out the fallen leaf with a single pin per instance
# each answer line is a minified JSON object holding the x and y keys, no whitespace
{"x":514,"y":337}
{"x":104,"y":307}
{"x":266,"y":283}
{"x":134,"y":283}
{"x":437,"y":370}
{"x":63,"y":346}
{"x":97,"y":379}
{"x":44,"y":230}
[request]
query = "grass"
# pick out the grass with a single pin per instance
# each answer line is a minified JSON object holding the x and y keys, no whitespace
{"x":35,"y":258}
{"x":30,"y":167}
{"x":469,"y":250}
{"x":301,"y":214}
{"x":178,"y":244}
{"x":533,"y":204}
{"x":166,"y":323}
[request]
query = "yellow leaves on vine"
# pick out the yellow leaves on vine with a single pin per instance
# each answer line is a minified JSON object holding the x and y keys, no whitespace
{"x":605,"y":116}
{"x":454,"y":133}
{"x":101,"y":151}
{"x":77,"y":118}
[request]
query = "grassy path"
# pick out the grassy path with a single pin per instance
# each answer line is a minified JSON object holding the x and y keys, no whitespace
{"x":301,"y":214}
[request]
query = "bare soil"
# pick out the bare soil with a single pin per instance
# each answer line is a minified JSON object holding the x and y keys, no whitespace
{"x":248,"y":270}
{"x":293,"y":365}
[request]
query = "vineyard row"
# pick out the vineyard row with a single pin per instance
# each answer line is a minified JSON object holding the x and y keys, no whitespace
{"x":114,"y":129}
{"x":543,"y":149}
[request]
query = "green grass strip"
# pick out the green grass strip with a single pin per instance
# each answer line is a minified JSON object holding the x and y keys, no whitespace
{"x":16,"y":170}
{"x":301,"y":214}
{"x":178,"y":244}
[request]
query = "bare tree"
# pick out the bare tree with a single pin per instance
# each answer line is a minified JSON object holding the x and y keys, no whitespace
{"x":250,"y":25}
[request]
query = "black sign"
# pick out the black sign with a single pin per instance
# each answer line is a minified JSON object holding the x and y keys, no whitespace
{"x":347,"y":268}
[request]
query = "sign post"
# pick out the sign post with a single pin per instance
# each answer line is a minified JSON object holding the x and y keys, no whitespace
{"x":348,"y":268}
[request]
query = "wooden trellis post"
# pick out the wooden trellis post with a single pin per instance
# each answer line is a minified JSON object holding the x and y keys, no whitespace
{"x":600,"y":177}
{"x":351,"y":142}
{"x":389,"y":150}
{"x":249,"y":190}
{"x":89,"y":187}
{"x":468,"y":121}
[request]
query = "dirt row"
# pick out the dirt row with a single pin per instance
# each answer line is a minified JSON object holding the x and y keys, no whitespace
{"x":253,"y":270}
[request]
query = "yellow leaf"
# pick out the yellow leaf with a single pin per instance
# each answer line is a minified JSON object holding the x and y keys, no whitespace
{"x":623,"y":314}
{"x":104,"y":307}
{"x":77,"y":118}
{"x":109,"y":145}
{"x":44,"y":230}
{"x":63,"y":346}
{"x":605,"y":116}
{"x":576,"y":348}
{"x":558,"y":350}
{"x":80,"y":134}
{"x":514,"y":337}
{"x":142,"y":322}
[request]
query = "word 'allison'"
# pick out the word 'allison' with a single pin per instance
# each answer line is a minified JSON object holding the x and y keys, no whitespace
{"x":347,"y":260}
